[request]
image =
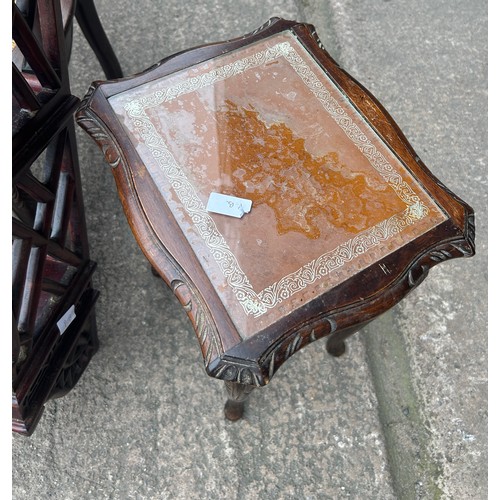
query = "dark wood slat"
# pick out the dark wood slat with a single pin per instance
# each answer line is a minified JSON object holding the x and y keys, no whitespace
{"x":35,"y":136}
{"x":77,"y":227}
{"x":62,"y":208}
{"x":23,"y":92}
{"x":52,"y":34}
{"x":16,"y":346}
{"x":19,"y":230}
{"x":40,"y":225}
{"x":32,"y":51}
{"x":22,"y":206}
{"x":53,"y":287}
{"x":20,"y":255}
{"x":32,"y":289}
{"x":38,"y":191}
{"x":55,"y":161}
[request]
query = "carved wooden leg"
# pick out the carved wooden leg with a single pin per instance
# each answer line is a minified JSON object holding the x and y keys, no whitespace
{"x":335,"y":346}
{"x":90,"y":24}
{"x":237,"y":393}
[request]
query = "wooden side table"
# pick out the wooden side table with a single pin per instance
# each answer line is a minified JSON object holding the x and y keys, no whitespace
{"x":327,"y":216}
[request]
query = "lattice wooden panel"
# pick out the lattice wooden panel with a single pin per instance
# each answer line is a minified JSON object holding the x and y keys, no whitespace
{"x":54,"y":333}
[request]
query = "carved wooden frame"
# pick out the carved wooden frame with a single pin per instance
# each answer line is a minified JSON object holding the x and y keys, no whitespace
{"x":341,"y":311}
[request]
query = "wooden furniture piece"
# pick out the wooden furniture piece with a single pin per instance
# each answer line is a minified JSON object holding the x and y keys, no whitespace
{"x":345,"y":218}
{"x":53,"y":331}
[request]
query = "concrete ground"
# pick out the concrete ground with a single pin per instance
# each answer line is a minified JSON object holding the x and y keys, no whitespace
{"x":402,"y":415}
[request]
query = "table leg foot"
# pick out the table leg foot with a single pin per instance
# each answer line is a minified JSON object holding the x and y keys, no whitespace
{"x":233,"y":410}
{"x":335,"y":347}
{"x":235,"y":405}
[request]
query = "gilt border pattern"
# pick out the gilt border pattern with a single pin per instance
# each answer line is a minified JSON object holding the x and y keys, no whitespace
{"x":257,"y":303}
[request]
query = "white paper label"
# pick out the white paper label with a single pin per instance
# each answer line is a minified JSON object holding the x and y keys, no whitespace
{"x":66,"y":319}
{"x":228,"y":205}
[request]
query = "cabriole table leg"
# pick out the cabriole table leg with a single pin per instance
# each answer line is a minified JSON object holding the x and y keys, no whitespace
{"x":335,"y":346}
{"x":238,"y":393}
